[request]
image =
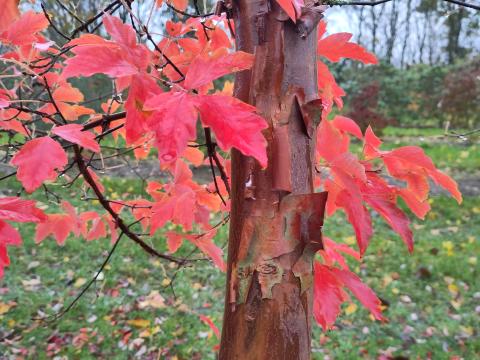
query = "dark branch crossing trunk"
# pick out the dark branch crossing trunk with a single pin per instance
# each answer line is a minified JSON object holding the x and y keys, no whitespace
{"x":276,"y":218}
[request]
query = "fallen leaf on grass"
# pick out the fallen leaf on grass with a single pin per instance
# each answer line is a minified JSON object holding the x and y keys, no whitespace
{"x":33,"y":264}
{"x":424,"y":273}
{"x":466,"y":331}
{"x":350,"y":309}
{"x":79,"y":282}
{"x":453,"y":289}
{"x":149,"y":332}
{"x":456,"y":304}
{"x":5,"y":307}
{"x":139,"y":323}
{"x":154,"y":299}
{"x":448,"y":246}
{"x":32,"y":284}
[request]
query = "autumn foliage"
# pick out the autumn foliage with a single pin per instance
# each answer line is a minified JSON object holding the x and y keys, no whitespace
{"x":169,"y":93}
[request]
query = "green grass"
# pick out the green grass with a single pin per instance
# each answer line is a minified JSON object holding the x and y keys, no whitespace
{"x":433,"y":295}
{"x":397,"y":131}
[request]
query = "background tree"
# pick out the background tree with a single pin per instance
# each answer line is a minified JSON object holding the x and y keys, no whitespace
{"x":412,"y":34}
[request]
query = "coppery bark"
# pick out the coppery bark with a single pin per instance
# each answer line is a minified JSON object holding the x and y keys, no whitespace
{"x":276,"y":218}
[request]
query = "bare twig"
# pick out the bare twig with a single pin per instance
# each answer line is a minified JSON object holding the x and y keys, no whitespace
{"x":58,"y":315}
{"x":52,"y":24}
{"x":105,"y":119}
{"x":53,"y":102}
{"x":463,"y":136}
{"x":211,"y":155}
{"x":356,"y":3}
{"x":8,"y":176}
{"x":82,"y":167}
{"x":463,"y":3}
{"x":64,"y":7}
{"x":380,"y":2}
{"x":85,"y":25}
{"x":187,"y":14}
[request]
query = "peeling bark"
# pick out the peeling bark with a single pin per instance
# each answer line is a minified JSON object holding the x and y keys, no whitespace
{"x":276,"y":218}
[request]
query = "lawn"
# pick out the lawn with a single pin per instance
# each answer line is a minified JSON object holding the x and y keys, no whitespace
{"x":432,"y":298}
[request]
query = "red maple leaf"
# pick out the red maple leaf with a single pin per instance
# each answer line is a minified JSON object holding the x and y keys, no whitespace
{"x":66,"y":99}
{"x":22,"y":31}
{"x":37,"y":161}
{"x":9,"y":13}
{"x":334,"y":48}
{"x":142,"y":87}
{"x":74,"y":133}
{"x":337,"y":46}
{"x":18,"y":210}
{"x":118,"y":57}
{"x":207,"y":67}
{"x":329,"y":294}
{"x":183,"y":201}
{"x":234,"y":123}
{"x":293,"y":8}
{"x":333,"y":252}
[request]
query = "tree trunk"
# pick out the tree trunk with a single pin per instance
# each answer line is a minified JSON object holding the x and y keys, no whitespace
{"x":392,"y":33}
{"x":276,"y":218}
{"x":406,"y":33}
{"x":454,"y":25}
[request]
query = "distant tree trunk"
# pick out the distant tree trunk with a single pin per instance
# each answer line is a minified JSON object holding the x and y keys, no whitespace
{"x":421,"y":36}
{"x":275,"y":216}
{"x":376,"y":18}
{"x":361,"y":24}
{"x":392,"y":36}
{"x":454,"y":25}
{"x":406,"y":33}
{"x":373,"y":15}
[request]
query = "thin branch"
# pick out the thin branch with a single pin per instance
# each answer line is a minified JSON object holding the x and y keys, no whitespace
{"x":8,"y":176}
{"x":31,"y":111}
{"x":85,"y":25}
{"x":109,"y":131}
{"x":463,"y":3}
{"x":58,"y":315}
{"x":144,"y":28}
{"x":355,"y":3}
{"x":82,"y":167}
{"x":187,"y":14}
{"x":204,"y":27}
{"x":211,"y":152}
{"x":463,"y":136}
{"x":379,"y":2}
{"x":52,"y":24}
{"x":52,"y":100}
{"x":53,"y":61}
{"x":223,"y":174}
{"x":167,"y":59}
{"x":105,"y":119}
{"x":69,"y":11}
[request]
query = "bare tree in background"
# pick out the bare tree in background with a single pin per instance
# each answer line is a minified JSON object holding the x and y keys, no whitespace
{"x":392,"y":31}
{"x":407,"y":32}
{"x":406,"y":37}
